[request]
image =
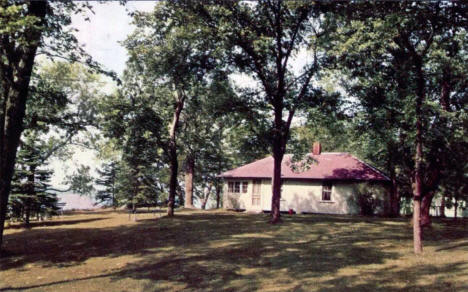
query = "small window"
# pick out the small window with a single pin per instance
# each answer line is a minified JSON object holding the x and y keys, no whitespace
{"x":237,"y":187}
{"x":326,"y":191}
{"x":230,"y":187}
{"x":245,"y":186}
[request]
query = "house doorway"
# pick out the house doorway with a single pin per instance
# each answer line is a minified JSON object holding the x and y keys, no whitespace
{"x":256,"y":192}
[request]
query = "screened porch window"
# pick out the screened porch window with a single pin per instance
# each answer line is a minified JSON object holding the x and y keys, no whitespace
{"x":237,"y":186}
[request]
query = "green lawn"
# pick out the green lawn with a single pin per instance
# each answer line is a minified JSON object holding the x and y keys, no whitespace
{"x":223,"y":251}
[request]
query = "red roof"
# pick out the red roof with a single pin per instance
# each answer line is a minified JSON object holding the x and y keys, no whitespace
{"x":326,"y":166}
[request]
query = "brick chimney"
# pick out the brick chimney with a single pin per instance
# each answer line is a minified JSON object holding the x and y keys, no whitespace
{"x":316,"y":148}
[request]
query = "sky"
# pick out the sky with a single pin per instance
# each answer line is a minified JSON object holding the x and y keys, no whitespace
{"x":100,"y":37}
{"x":109,"y":25}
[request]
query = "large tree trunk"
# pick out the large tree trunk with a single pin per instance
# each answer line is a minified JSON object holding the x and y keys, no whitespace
{"x":189,"y":172}
{"x":173,"y":154}
{"x":276,"y":186}
{"x":445,"y":103}
{"x":278,"y":147}
{"x":425,"y":209}
{"x":173,"y":178}
{"x":417,"y":231}
{"x":15,"y":85}
{"x":442,"y":206}
{"x":418,"y":175}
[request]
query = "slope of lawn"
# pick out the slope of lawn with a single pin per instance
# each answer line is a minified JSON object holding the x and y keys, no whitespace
{"x":223,"y":251}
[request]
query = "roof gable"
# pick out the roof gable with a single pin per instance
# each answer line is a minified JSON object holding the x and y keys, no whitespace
{"x":326,"y":166}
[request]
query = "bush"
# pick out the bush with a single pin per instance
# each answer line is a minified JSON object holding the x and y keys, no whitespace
{"x":369,"y":199}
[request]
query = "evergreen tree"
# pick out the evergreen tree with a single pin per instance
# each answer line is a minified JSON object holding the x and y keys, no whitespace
{"x":30,"y":194}
{"x":107,"y":180}
{"x":27,"y":27}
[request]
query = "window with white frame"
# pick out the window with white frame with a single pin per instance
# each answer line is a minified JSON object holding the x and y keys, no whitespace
{"x":237,"y":187}
{"x":326,"y":191}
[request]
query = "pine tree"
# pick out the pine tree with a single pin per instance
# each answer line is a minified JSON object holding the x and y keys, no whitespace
{"x":107,"y":180}
{"x":30,"y":194}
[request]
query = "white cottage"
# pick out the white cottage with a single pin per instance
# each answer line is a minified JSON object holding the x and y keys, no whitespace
{"x":327,"y":185}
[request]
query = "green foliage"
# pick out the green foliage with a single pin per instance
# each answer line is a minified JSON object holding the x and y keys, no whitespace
{"x":56,"y":112}
{"x":81,"y":181}
{"x":26,"y":28}
{"x":106,"y":195}
{"x":369,"y":199}
{"x":31,"y":194}
{"x":378,"y":50}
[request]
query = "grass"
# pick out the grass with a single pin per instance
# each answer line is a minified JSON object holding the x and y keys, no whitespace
{"x":223,"y":251}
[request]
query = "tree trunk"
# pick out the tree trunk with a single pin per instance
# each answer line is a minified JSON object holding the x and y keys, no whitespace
{"x":418,"y":179}
{"x":206,"y":196}
{"x":31,"y":193}
{"x":396,"y":202}
{"x":173,"y":177}
{"x":442,"y":206}
{"x":114,"y":202}
{"x":15,"y":87}
{"x":455,"y":211}
{"x":27,"y":213}
{"x":394,"y":195}
{"x":425,"y":209}
{"x":445,"y":103}
{"x":218,"y":196}
{"x":189,"y":171}
{"x":417,"y":231}
{"x":173,"y":154}
{"x":276,"y":187}
{"x":134,"y":211}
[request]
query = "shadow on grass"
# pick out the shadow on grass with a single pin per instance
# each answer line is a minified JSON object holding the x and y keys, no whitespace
{"x":207,"y":251}
{"x":463,"y":244}
{"x":384,"y":280}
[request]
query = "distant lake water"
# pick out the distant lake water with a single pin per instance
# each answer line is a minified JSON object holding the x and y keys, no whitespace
{"x":74,"y":201}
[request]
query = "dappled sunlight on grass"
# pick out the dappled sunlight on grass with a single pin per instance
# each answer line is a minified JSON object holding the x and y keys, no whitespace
{"x":226,"y":251}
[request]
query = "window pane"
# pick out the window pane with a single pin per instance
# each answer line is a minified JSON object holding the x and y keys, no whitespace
{"x":237,"y":187}
{"x":245,"y":185}
{"x":230,"y":187}
{"x":326,"y":192}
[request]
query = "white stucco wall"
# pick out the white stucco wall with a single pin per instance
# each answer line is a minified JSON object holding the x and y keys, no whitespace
{"x":301,"y":196}
{"x":238,"y":201}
